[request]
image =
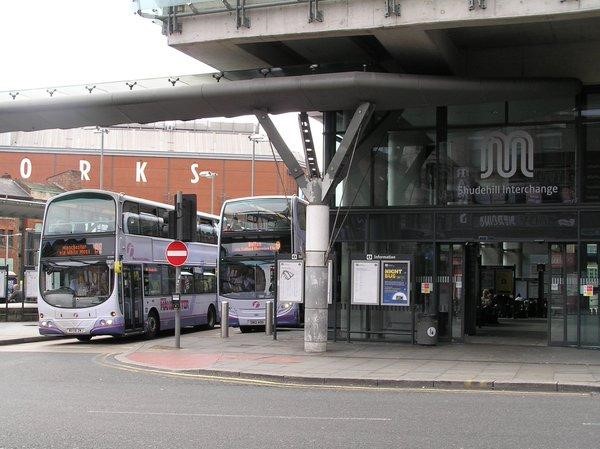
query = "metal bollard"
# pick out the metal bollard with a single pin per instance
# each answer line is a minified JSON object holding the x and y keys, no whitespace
{"x":225,"y":319}
{"x":269,"y":318}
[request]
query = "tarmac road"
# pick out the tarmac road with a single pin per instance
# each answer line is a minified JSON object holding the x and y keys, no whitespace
{"x":77,"y":396}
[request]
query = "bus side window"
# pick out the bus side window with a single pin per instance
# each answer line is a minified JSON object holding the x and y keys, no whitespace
{"x":198,"y":287}
{"x":209,"y":280}
{"x":168,"y":280}
{"x":152,"y":280}
{"x":131,"y":223}
{"x":163,"y":223}
{"x":187,"y":281}
{"x":148,"y":225}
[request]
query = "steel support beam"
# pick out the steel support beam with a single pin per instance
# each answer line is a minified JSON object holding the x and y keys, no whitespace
{"x":358,"y":123}
{"x":309,"y":146}
{"x":284,"y":152}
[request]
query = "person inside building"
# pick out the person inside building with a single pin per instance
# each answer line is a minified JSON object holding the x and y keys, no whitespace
{"x":488,"y":310}
{"x":16,"y":295}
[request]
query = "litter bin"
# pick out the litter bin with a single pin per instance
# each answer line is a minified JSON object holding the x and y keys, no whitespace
{"x":427,"y":330}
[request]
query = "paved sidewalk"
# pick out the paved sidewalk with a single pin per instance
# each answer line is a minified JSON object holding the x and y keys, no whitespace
{"x":20,"y":332}
{"x":460,"y":366}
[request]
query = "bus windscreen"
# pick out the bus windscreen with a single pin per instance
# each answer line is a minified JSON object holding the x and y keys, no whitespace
{"x":75,"y":284}
{"x":266,"y":214}
{"x":247,"y":278}
{"x":82,"y":214}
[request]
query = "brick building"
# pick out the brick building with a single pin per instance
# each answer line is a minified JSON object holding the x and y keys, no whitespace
{"x":151,"y":161}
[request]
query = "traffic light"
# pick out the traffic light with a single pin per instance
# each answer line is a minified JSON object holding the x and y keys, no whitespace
{"x":187,"y":216}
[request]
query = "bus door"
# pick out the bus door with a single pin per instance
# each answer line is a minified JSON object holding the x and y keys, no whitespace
{"x":133,"y":304}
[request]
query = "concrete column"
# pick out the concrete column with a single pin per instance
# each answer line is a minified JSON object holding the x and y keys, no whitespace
{"x":315,"y":280}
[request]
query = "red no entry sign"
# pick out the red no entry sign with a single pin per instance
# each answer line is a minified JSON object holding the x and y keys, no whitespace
{"x":176,"y":253}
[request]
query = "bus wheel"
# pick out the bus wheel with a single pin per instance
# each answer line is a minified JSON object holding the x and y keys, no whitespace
{"x":211,"y":317}
{"x":84,"y":338}
{"x":152,"y":325}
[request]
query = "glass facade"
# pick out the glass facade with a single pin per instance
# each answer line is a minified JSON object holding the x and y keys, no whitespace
{"x":466,"y":191}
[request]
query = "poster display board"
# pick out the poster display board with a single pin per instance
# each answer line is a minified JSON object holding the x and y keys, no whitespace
{"x":290,"y":281}
{"x":365,"y":282}
{"x":395,"y":283}
{"x":3,"y":281}
{"x":31,"y":284}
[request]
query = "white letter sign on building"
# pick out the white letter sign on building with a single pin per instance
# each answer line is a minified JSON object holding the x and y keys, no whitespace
{"x":196,"y":178}
{"x":84,"y":168}
{"x":140,"y":176}
{"x":25,"y":168}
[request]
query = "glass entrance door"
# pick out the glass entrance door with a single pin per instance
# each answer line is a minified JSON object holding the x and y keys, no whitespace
{"x":589,"y":318}
{"x":450,"y":282}
{"x":563,"y":297}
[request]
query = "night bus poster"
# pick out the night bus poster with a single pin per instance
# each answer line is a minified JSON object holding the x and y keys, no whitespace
{"x":395,"y":283}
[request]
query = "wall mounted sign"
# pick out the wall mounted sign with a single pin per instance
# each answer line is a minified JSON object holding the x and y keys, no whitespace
{"x":395,"y":283}
{"x":290,"y":281}
{"x":365,"y":282}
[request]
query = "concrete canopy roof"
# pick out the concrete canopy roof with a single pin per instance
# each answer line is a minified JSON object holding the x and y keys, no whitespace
{"x":21,"y":208}
{"x":322,"y":92}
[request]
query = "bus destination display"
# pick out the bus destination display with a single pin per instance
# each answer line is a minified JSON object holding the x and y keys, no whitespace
{"x":79,"y":249}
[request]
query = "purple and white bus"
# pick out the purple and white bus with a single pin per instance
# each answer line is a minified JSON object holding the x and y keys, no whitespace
{"x":253,"y":230}
{"x":103,"y":269}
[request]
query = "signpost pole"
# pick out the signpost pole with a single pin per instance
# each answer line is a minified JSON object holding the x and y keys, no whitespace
{"x":179,"y":235}
{"x":275,"y":294}
{"x":6,"y":284}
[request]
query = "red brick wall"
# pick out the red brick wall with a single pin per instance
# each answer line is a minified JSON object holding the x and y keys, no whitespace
{"x":164,"y":176}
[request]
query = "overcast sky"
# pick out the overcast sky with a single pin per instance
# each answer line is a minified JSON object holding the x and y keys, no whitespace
{"x":47,"y":43}
{"x":50,"y":43}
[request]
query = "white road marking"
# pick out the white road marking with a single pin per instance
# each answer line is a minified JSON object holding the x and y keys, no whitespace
{"x":591,"y":423}
{"x":218,"y":415}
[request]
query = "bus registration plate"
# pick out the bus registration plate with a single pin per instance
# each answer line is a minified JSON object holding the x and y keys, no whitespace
{"x":75,"y":330}
{"x":256,"y":322}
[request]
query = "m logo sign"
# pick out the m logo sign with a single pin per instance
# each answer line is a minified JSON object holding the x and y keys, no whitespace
{"x":505,"y":152}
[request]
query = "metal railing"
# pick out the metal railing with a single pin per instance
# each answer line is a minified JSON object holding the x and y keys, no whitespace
{"x":169,"y":12}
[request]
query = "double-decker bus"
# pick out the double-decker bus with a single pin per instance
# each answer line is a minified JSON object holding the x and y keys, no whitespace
{"x":103,"y":269}
{"x":253,"y":230}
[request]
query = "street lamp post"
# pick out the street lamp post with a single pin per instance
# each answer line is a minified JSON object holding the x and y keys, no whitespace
{"x":211,"y":175}
{"x":102,"y":132}
{"x":255,"y":138}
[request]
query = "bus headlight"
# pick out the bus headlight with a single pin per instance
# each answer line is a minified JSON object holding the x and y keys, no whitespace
{"x":284,"y":306}
{"x":103,"y":322}
{"x":48,"y":323}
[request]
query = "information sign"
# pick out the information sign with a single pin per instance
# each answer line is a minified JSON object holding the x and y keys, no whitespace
{"x":290,"y":281}
{"x":365,"y":282}
{"x":31,"y":284}
{"x":395,"y":283}
{"x":588,"y":290}
{"x":426,"y":288}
